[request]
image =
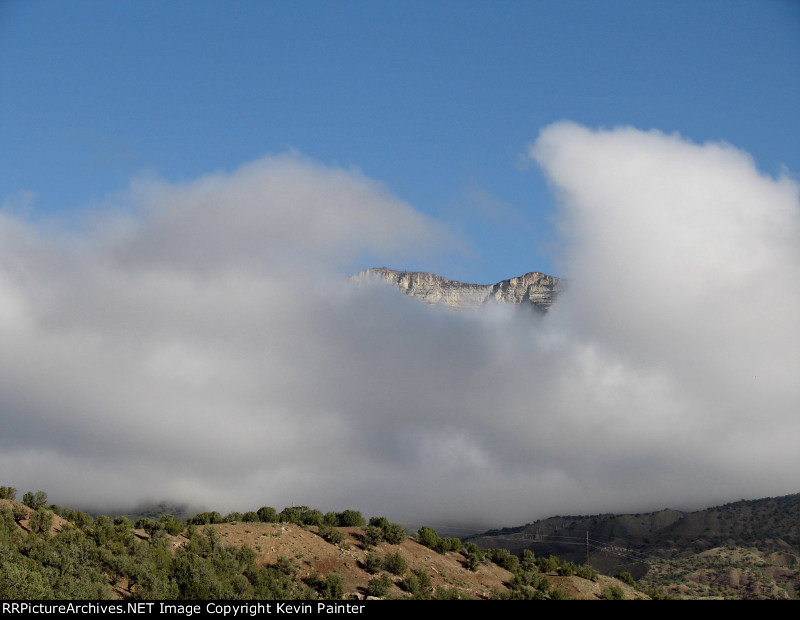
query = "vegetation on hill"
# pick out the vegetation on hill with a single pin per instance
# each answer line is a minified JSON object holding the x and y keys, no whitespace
{"x":744,"y":549}
{"x":49,"y":552}
{"x":772,"y":524}
{"x":727,"y":573}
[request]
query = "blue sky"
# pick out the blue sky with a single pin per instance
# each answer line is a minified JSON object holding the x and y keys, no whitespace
{"x":436,"y":100}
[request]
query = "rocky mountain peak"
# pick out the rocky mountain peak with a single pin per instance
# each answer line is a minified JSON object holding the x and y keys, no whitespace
{"x":535,"y":289}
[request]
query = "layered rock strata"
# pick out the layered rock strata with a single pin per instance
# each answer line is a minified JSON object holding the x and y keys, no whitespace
{"x":535,"y":289}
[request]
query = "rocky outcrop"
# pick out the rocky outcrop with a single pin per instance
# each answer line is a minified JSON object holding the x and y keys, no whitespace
{"x":535,"y":289}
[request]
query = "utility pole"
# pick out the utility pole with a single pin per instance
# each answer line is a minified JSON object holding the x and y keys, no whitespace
{"x":587,"y":548}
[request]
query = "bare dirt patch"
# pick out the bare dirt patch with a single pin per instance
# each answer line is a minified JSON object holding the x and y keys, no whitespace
{"x":310,"y":553}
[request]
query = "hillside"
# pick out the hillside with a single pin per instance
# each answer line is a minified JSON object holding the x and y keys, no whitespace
{"x":727,"y":573}
{"x":742,"y":550}
{"x":45,"y":556}
{"x":749,"y":548}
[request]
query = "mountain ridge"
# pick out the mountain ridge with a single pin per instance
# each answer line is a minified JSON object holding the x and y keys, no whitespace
{"x":657,"y":546}
{"x":534,"y":289}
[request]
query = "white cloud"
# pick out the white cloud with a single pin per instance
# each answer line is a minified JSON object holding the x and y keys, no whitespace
{"x":205,"y":345}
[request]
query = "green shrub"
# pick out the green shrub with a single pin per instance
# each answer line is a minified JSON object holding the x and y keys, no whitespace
{"x":567,"y":569}
{"x":473,"y":556}
{"x":559,"y":595}
{"x":451,"y":594}
{"x":123,"y":523}
{"x":20,"y":580}
{"x":40,"y":521}
{"x":372,"y":536}
{"x":286,"y":566}
{"x":503,"y":558}
{"x":548,"y":564}
{"x":205,"y":518}
{"x":586,"y":572}
{"x":395,"y":564}
{"x":612,"y":593}
{"x":394,"y":533}
{"x":373,"y":564}
{"x":450,"y":544}
{"x":424,"y":580}
{"x":332,"y":535}
{"x":525,"y":594}
{"x":267,"y":514}
{"x":531,"y":578}
{"x":76,"y":517}
{"x":379,"y":587}
{"x":410,"y":584}
{"x":527,"y":560}
{"x":19,"y":513}
{"x":331,"y":587}
{"x":427,"y":536}
{"x":351,"y":518}
{"x":380,"y":522}
{"x":626,"y":578}
{"x":172,"y":525}
{"x":656,"y":595}
{"x":301,"y":515}
{"x":334,"y":586}
{"x":8,"y":493}
{"x":7,"y":525}
{"x":35,"y":500}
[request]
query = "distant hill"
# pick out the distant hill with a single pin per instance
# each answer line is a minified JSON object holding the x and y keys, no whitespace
{"x":152,"y":511}
{"x":666,"y":544}
{"x":773,"y":524}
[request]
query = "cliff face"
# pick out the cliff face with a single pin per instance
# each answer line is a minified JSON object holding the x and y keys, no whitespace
{"x":535,"y":289}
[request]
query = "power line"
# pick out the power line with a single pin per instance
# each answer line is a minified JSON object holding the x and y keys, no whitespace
{"x":599,"y":546}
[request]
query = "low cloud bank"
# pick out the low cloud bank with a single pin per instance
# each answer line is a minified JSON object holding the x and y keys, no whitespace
{"x":205,"y":345}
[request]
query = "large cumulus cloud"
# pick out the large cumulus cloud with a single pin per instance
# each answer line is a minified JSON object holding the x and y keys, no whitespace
{"x":205,"y":345}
